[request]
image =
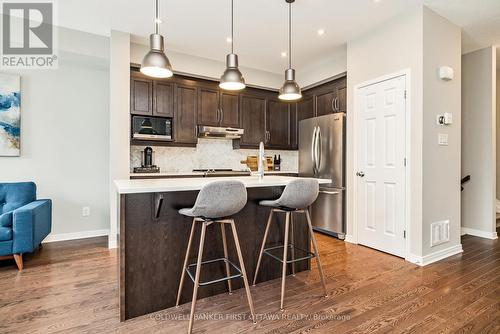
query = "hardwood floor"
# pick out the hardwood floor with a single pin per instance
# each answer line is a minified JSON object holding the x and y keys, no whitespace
{"x":72,"y":287}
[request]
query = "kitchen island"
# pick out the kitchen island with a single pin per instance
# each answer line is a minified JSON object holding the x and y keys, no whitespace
{"x":153,"y":239}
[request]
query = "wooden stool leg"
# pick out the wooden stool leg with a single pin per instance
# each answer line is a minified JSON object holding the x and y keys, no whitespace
{"x":224,"y":244}
{"x":19,"y":261}
{"x":285,"y":257}
{"x":197,"y":276}
{"x":243,"y":271}
{"x":263,"y":244}
{"x":183,"y":274}
{"x":315,"y":245}
{"x":292,"y":243}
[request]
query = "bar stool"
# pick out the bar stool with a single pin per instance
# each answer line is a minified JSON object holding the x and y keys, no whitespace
{"x":216,"y":203}
{"x":296,"y":197}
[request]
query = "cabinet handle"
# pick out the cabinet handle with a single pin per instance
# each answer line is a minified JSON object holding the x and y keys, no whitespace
{"x":221,"y":115}
{"x":338,"y":103}
{"x":333,"y":104}
{"x":158,"y":206}
{"x":217,"y":115}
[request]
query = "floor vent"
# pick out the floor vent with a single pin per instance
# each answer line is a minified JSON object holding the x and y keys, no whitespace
{"x":440,"y":232}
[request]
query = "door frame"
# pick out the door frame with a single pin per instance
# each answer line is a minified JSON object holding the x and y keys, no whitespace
{"x":356,"y":131}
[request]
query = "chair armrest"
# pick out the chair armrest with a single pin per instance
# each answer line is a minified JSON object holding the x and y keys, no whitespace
{"x":30,"y":225}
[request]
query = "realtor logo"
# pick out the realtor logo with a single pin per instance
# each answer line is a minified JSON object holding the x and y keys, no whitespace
{"x":28,"y":35}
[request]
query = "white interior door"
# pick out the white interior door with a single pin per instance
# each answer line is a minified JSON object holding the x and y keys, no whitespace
{"x":380,"y":175}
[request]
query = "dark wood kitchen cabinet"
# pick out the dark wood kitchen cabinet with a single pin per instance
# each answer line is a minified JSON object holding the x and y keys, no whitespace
{"x":163,"y":99}
{"x":208,"y":106}
{"x":330,"y":97}
{"x":185,"y":119}
{"x":341,"y":89}
{"x":324,"y":100}
{"x":278,"y":124}
{"x":141,"y":95}
{"x":230,"y":109}
{"x":151,"y":98}
{"x":253,"y":119}
{"x":218,"y":108}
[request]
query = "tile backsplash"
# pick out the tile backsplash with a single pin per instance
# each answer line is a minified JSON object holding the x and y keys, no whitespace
{"x":208,"y":153}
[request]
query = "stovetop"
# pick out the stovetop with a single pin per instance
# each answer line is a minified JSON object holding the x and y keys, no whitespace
{"x":222,"y":172}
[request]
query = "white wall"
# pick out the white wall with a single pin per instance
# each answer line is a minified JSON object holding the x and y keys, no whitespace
{"x":479,"y":141}
{"x":64,"y":136}
{"x":119,"y":122}
{"x":418,"y":41}
{"x":188,"y":64}
{"x":441,"y":164}
{"x":332,"y":64}
{"x":397,"y":45}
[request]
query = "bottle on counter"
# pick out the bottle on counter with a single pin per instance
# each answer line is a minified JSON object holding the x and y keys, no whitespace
{"x":277,"y":163}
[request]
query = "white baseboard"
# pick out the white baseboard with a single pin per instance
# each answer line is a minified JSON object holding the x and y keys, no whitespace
{"x":75,"y":235}
{"x":350,"y":239}
{"x":434,"y":257}
{"x":479,"y":233}
{"x":112,"y":241}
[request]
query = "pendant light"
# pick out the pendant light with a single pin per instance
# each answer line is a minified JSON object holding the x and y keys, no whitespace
{"x":232,"y":79}
{"x":290,"y":91}
{"x":155,"y":63}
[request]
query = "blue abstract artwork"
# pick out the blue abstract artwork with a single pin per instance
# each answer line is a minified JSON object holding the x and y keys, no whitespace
{"x":10,"y":115}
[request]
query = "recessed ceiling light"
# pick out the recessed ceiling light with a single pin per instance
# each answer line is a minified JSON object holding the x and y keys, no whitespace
{"x":321,"y":32}
{"x":228,"y":39}
{"x":376,"y":1}
{"x":283,"y":54}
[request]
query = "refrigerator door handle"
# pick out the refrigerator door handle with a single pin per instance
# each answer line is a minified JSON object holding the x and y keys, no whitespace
{"x":318,"y":149}
{"x":313,"y":151}
{"x":329,"y":192}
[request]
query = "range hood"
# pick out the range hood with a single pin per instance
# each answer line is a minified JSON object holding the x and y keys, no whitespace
{"x":219,"y":132}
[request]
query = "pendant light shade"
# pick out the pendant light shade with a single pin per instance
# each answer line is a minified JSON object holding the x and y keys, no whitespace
{"x":156,"y":64}
{"x":232,"y":79}
{"x":290,"y":91}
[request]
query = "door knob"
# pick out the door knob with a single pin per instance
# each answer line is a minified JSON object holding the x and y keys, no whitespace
{"x":360,"y":174}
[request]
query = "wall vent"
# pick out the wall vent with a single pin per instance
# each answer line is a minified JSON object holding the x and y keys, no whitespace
{"x":440,"y":232}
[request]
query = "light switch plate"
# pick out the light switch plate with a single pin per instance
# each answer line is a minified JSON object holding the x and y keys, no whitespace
{"x":443,"y":139}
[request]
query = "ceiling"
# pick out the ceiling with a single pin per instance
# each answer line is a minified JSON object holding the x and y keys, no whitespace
{"x":200,"y":27}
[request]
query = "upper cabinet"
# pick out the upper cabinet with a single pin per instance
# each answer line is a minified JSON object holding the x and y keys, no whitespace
{"x":278,"y":124}
{"x":330,"y":97}
{"x":141,"y":95}
{"x":185,"y":119}
{"x":218,"y":108}
{"x":151,"y":98}
{"x":253,"y":119}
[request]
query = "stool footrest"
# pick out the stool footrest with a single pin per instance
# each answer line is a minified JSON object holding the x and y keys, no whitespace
{"x":307,"y":255}
{"x":192,"y":266}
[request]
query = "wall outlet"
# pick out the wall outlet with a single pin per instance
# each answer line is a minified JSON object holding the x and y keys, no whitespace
{"x":85,"y":211}
{"x":440,"y":232}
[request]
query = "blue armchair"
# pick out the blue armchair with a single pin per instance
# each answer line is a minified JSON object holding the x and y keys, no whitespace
{"x":24,"y":220}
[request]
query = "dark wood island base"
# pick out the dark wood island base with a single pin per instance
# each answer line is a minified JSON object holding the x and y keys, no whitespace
{"x":153,"y":242}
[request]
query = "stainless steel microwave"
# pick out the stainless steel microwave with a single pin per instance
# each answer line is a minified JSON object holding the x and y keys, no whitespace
{"x":152,"y":128}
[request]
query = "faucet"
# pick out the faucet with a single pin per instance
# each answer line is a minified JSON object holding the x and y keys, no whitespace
{"x":260,"y":161}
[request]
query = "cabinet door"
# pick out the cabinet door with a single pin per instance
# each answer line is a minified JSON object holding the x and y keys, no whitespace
{"x":324,"y":102}
{"x":208,"y":107}
{"x":253,"y":119}
{"x":230,"y":109}
{"x":163,"y":103}
{"x":185,"y":114}
{"x":141,"y":96}
{"x":342,"y":96}
{"x":304,"y":110}
{"x":278,"y":124}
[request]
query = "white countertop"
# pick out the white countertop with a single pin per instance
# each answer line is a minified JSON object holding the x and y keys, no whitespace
{"x":173,"y":174}
{"x":196,"y":183}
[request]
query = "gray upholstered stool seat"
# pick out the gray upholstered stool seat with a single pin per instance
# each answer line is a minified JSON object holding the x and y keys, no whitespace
{"x":216,"y":203}
{"x":218,"y":199}
{"x":297,"y":196}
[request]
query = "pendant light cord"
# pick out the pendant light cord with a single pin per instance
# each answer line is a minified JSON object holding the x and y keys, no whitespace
{"x":157,"y":17}
{"x":232,"y":26}
{"x":290,"y":35}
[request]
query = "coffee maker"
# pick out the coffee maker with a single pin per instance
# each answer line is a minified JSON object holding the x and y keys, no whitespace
{"x":147,"y":162}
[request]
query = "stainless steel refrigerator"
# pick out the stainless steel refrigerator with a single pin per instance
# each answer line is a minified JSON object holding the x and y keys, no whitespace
{"x":322,"y":155}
